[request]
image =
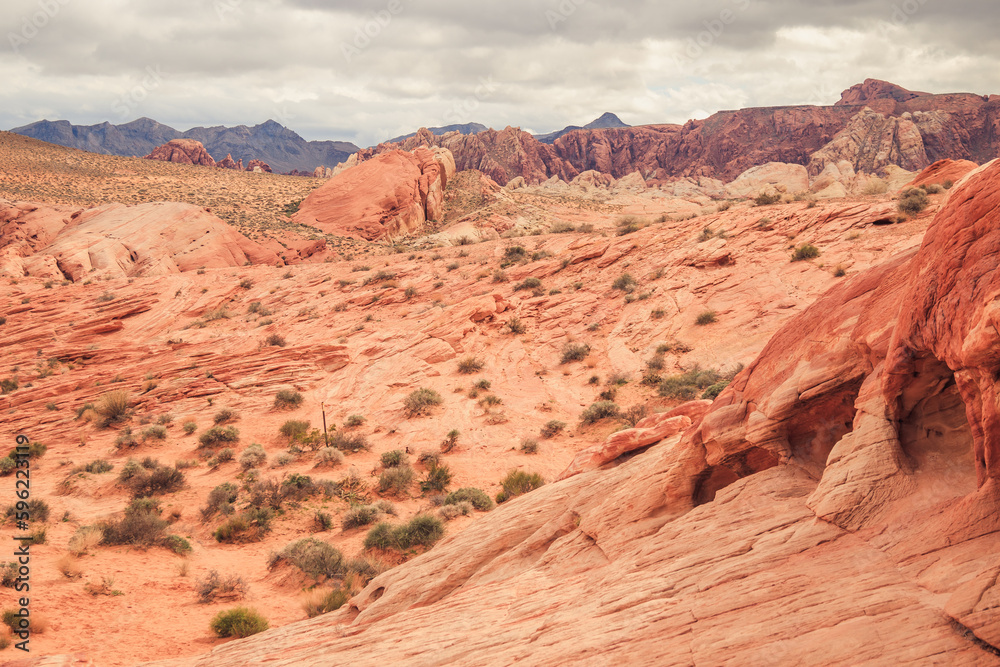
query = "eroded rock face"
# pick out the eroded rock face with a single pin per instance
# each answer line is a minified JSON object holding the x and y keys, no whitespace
{"x":118,"y":240}
{"x":943,"y":171}
{"x":391,"y":194}
{"x":183,"y":151}
{"x":259,"y":166}
{"x":874,"y":410}
{"x":871,"y":142}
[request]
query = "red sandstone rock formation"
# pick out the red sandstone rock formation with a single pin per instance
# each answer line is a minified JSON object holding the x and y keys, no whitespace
{"x":255,"y":165}
{"x":874,"y":89}
{"x":229,"y":163}
{"x":182,"y":151}
{"x":943,"y":171}
{"x":394,"y":193}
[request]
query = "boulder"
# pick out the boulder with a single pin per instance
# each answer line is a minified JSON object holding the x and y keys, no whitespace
{"x":182,"y":151}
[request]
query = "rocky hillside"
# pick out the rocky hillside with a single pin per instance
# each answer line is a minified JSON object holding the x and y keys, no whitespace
{"x":874,"y":126}
{"x":836,"y":504}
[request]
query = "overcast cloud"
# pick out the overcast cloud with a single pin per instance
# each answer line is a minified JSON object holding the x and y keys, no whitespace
{"x":367,"y":70}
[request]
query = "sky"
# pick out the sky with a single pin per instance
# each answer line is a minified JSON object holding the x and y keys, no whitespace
{"x":367,"y":70}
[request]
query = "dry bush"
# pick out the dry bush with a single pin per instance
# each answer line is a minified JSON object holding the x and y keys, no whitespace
{"x":69,"y":567}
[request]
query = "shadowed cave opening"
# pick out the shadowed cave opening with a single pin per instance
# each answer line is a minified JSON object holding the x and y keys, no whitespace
{"x":934,"y":429}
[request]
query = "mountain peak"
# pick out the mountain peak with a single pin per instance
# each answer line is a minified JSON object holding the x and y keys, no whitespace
{"x":876,"y":89}
{"x":606,"y":120}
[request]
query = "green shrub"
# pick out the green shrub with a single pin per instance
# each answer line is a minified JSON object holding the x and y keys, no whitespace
{"x":140,"y":526}
{"x":394,"y":459}
{"x":287,"y":399}
{"x":323,"y":521}
{"x":528,"y":283}
{"x":688,"y":385}
{"x":470,"y":365}
{"x":156,"y":432}
{"x":248,"y":526}
{"x":912,"y":201}
{"x":422,"y":530}
{"x":449,"y":512}
{"x":598,"y":411}
{"x":574,"y":352}
{"x":517,"y":483}
{"x":349,"y":442}
{"x":552,"y":428}
{"x":294,"y":429}
{"x":515,"y":326}
{"x":767,"y":198}
{"x":218,"y":435}
{"x":354,"y":421}
{"x":150,"y":481}
{"x":360,"y":515}
{"x":479,"y":498}
{"x":189,"y":427}
{"x":420,"y":401}
{"x":438,"y":478}
{"x":624,"y":283}
{"x":37,"y":509}
{"x":805,"y":251}
{"x":126,"y":439}
{"x":323,"y":602}
{"x":220,"y":499}
{"x":7,"y":465}
{"x":253,"y":456}
{"x":8,"y":385}
{"x":712,"y":392}
{"x":395,"y":481}
{"x":706,"y":317}
{"x":8,"y":574}
{"x":225,"y":416}
{"x":314,"y":557}
{"x":98,"y":467}
{"x":238,"y":622}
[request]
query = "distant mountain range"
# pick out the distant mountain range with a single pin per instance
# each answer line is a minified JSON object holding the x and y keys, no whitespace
{"x":606,"y":121}
{"x":281,"y":148}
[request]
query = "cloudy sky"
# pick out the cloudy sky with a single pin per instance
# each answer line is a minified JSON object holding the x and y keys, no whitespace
{"x":367,"y":70}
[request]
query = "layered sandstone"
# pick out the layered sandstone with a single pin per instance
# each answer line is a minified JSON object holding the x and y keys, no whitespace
{"x":183,"y":151}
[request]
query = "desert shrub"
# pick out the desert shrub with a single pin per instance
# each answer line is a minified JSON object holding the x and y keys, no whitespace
{"x":218,"y":435}
{"x":349,"y":442}
{"x":189,"y":427}
{"x":552,"y":428}
{"x":395,"y":481}
{"x":450,"y":441}
{"x":85,"y":539}
{"x":767,"y":198}
{"x":156,"y":432}
{"x":238,"y":622}
{"x":220,"y":499}
{"x":470,"y":365}
{"x":354,"y":421}
{"x":287,"y":399}
{"x":249,"y":526}
{"x":529,"y":446}
{"x":420,"y":401}
{"x":477,"y":497}
{"x":323,"y":521}
{"x":112,"y":407}
{"x":298,"y":487}
{"x":126,"y":439}
{"x":144,"y":481}
{"x":422,"y":530}
{"x":912,"y":201}
{"x":515,"y":326}
{"x":215,"y":585}
{"x":598,"y":411}
{"x":283,"y":459}
{"x":528,"y":283}
{"x":8,"y":574}
{"x":805,"y":251}
{"x":624,"y":283}
{"x":314,"y":557}
{"x":8,"y":385}
{"x":875,"y":186}
{"x":490,"y":400}
{"x":275,"y":340}
{"x":328,"y":457}
{"x":629,"y":223}
{"x":574,"y":352}
{"x":713,"y":391}
{"x":688,"y":385}
{"x":449,"y":512}
{"x":324,"y":600}
{"x":394,"y":459}
{"x":360,"y":515}
{"x":252,"y":457}
{"x":294,"y":429}
{"x":429,"y":458}
{"x":512,"y":255}
{"x":706,"y":317}
{"x":438,"y":478}
{"x":246,"y":283}
{"x":98,"y":467}
{"x":141,"y":525}
{"x":225,"y":416}
{"x":634,"y":415}
{"x":7,"y":465}
{"x":517,"y":483}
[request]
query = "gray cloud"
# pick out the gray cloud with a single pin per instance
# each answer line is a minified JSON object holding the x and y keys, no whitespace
{"x":366,"y":70}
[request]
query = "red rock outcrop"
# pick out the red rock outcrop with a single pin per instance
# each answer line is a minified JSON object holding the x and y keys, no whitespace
{"x":874,"y":410}
{"x":182,"y":151}
{"x":391,"y":194}
{"x":258,"y":165}
{"x":120,"y":241}
{"x":874,"y":89}
{"x":943,"y":171}
{"x":229,"y":163}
